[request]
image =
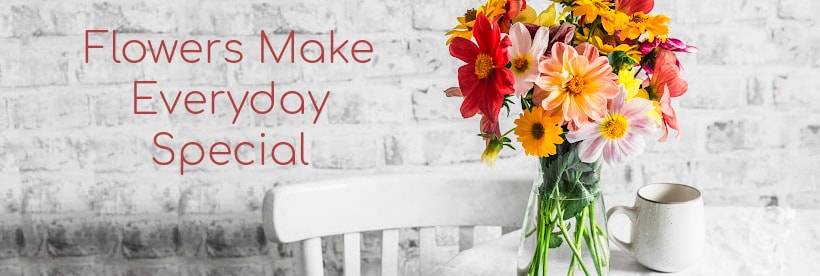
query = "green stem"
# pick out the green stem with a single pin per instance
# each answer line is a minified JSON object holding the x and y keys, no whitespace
{"x":575,"y":252}
{"x":580,"y":222}
{"x":601,"y":234}
{"x":592,"y":240}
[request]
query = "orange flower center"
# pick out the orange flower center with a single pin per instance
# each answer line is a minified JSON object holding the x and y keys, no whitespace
{"x":470,"y":15}
{"x":483,"y":66}
{"x":614,"y":126}
{"x":637,"y":18}
{"x":521,"y":64}
{"x":537,"y":131}
{"x":576,"y":85}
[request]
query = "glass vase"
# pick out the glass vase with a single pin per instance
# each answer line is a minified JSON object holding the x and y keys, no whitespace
{"x":564,"y":230}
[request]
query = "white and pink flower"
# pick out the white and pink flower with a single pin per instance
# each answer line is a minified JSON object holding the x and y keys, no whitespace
{"x":617,"y":136}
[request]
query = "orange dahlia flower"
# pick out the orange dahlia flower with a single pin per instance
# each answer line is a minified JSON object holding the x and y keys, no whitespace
{"x":578,"y":81}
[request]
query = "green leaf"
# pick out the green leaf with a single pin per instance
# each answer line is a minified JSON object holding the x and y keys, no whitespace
{"x":555,"y":240}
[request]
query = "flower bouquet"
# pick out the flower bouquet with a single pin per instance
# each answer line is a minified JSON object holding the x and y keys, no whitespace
{"x":592,"y":78}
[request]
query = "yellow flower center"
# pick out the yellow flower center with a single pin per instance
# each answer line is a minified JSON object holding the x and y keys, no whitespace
{"x":614,"y":126}
{"x":520,"y":64}
{"x":576,"y":85}
{"x":483,"y":66}
{"x":470,"y":15}
{"x":537,"y":131}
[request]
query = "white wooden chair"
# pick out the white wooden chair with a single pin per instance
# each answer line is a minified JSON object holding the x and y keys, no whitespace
{"x":305,"y":212}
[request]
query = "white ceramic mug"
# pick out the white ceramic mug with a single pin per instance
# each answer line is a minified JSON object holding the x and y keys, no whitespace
{"x":667,"y":226}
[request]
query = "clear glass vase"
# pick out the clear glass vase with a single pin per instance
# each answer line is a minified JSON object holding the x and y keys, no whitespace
{"x":564,"y":230}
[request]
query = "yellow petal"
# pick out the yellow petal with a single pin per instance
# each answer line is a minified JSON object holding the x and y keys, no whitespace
{"x":548,"y":17}
{"x":526,"y":16}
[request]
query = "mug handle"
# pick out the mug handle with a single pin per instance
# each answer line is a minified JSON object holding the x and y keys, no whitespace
{"x":630,"y":213}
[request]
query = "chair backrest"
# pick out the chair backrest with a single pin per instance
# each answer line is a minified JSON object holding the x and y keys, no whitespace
{"x":306,"y":212}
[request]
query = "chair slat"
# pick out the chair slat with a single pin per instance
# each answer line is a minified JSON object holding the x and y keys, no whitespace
{"x":390,"y":252}
{"x":312,"y":257}
{"x":353,"y":257}
{"x":427,"y":250}
{"x":465,"y":237}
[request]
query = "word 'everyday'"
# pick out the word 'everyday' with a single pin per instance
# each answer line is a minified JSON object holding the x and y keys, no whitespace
{"x":196,"y":102}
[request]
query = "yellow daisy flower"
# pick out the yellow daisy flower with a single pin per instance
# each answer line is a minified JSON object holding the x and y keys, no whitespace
{"x":607,"y":47}
{"x":492,"y":9}
{"x":652,"y":25}
{"x":611,"y":19}
{"x":539,"y":132}
{"x":630,"y":83}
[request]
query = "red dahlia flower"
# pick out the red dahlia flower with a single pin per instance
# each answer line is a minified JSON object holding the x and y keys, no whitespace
{"x":484,"y":80}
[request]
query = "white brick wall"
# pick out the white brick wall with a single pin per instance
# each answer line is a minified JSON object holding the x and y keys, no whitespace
{"x":79,"y":193}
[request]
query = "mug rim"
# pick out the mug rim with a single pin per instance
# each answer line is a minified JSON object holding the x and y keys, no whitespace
{"x":699,"y":194}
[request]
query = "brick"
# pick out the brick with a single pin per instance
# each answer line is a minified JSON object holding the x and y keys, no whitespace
{"x":11,"y":194}
{"x":83,"y":268}
{"x":392,"y":15}
{"x":113,"y":106}
{"x":52,"y":109}
{"x":797,"y":90}
{"x":5,"y":21}
{"x":136,"y":193}
{"x":804,"y":200}
{"x":237,"y":192}
{"x":5,"y":119}
{"x":753,"y":10}
{"x":810,"y":136}
{"x":462,"y":144}
{"x":49,"y":192}
{"x":122,"y":152}
{"x":150,"y":238}
{"x":790,"y":38}
{"x":392,"y":56}
{"x":724,"y":136}
{"x":713,"y":88}
{"x":656,"y":168}
{"x":11,"y":270}
{"x":431,"y":104}
{"x":229,"y":269}
{"x":759,"y":90}
{"x":247,"y":18}
{"x":11,"y":239}
{"x":27,"y":21}
{"x":367,"y":104}
{"x":796,"y":9}
{"x":346,"y":152}
{"x":440,"y":17}
{"x":67,"y":150}
{"x":716,"y":49}
{"x":143,"y":269}
{"x":332,"y":256}
{"x":408,"y":259}
{"x":67,"y":236}
{"x":227,"y":237}
{"x":235,"y":238}
{"x":30,"y":63}
{"x":692,"y":11}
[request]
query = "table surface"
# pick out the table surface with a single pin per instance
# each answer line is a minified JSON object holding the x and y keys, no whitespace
{"x":739,"y":241}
